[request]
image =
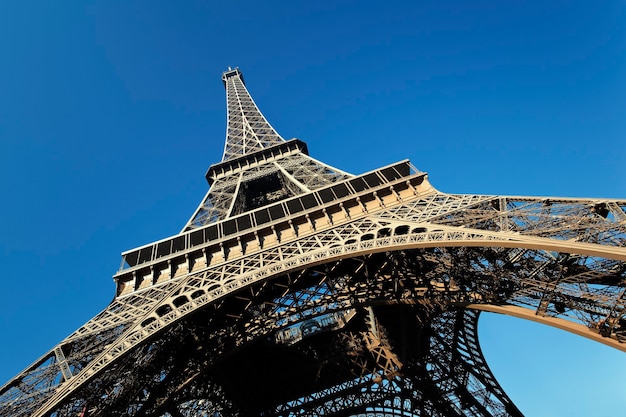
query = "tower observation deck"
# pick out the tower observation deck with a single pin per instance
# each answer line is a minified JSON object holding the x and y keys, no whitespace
{"x":297,"y":289}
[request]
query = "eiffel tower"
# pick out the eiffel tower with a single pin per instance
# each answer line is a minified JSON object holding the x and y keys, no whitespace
{"x":297,"y":289}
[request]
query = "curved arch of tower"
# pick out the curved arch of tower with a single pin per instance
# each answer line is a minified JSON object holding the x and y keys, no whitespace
{"x":298,"y":289}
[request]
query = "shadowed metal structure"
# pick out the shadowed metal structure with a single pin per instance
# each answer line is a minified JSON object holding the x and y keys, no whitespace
{"x":299,"y":289}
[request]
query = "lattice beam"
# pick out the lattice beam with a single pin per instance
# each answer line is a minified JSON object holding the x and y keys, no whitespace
{"x":298,"y":289}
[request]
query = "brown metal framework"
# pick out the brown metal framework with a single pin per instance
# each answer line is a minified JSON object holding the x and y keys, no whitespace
{"x":298,"y":289}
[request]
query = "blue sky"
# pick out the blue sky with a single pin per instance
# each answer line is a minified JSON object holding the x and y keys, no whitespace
{"x":111,"y":111}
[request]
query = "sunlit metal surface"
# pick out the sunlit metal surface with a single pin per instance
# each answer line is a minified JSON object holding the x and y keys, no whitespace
{"x":298,"y":289}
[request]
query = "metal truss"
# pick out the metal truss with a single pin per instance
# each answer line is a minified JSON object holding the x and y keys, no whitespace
{"x":248,"y":131}
{"x":298,"y":289}
{"x":298,"y":174}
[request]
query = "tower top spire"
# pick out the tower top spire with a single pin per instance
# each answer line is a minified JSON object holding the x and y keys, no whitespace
{"x":232,"y":73}
{"x":248,"y":131}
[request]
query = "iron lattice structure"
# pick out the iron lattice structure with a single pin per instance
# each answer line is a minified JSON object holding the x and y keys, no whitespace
{"x":299,"y":289}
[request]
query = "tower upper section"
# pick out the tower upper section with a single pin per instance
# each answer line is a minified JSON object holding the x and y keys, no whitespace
{"x":247,"y":131}
{"x":259,"y":167}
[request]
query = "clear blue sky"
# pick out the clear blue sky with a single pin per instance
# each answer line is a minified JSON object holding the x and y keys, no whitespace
{"x":111,"y":111}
